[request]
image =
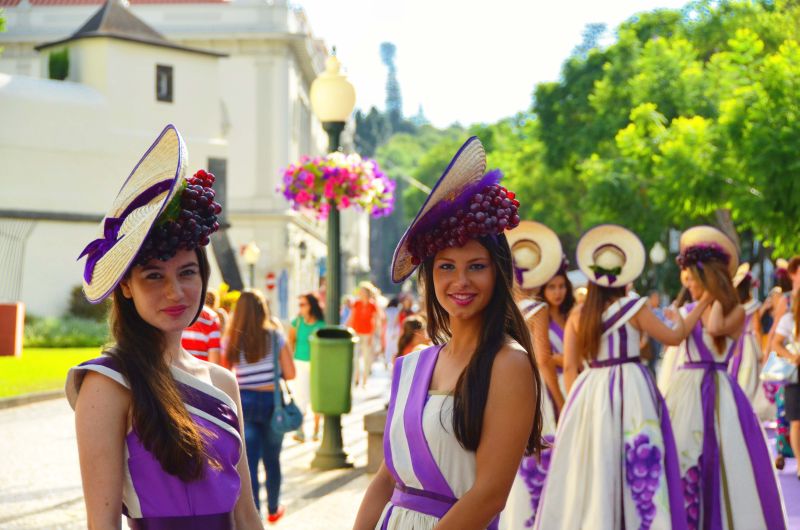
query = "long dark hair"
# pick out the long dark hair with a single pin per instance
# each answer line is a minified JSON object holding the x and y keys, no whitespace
{"x":715,"y":278}
{"x":314,"y":307}
{"x":744,"y":288}
{"x":250,"y":324}
{"x":501,"y":319}
{"x":159,"y":416}
{"x":591,"y":319}
{"x":411,"y":325}
{"x":569,"y":300}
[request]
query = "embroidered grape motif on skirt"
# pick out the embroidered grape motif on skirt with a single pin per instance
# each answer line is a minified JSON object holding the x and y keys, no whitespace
{"x":534,"y":472}
{"x":643,"y":474}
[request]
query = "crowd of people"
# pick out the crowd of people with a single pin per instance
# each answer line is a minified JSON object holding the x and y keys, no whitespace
{"x":517,"y":400}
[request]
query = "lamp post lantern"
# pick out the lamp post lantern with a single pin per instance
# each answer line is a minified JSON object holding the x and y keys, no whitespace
{"x":658,"y":255}
{"x":332,"y":99}
{"x":251,"y":253}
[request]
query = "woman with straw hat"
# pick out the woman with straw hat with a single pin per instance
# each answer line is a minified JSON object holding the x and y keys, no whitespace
{"x":615,"y":460}
{"x":724,"y":460}
{"x":159,"y":436}
{"x":545,"y":300}
{"x":463,"y":412}
{"x":744,"y":366}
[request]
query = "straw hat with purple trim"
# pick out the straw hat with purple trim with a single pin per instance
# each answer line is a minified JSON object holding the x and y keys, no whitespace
{"x":610,"y":255}
{"x":741,"y":273}
{"x":155,"y":200}
{"x":537,"y":254}
{"x":701,"y":244}
{"x":465,"y":203}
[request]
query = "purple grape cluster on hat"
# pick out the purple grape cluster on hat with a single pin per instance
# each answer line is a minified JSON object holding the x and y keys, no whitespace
{"x":485,"y":208}
{"x":696,"y":255}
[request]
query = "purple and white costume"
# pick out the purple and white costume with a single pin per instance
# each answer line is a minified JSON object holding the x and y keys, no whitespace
{"x":744,"y":362}
{"x":430,"y":468}
{"x":727,"y":476}
{"x":153,"y":499}
{"x":615,"y":464}
{"x":526,"y":490}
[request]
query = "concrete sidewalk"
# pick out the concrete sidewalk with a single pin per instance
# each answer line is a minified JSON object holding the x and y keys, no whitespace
{"x":40,"y":484}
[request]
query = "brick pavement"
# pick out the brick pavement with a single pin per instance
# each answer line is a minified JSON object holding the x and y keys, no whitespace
{"x":40,"y":486}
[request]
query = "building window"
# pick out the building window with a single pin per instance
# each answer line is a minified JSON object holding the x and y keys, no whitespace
{"x":164,"y":83}
{"x":219,"y":167}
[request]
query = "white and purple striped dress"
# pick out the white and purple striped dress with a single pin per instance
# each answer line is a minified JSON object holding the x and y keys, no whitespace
{"x":152,"y":499}
{"x":527,"y":487}
{"x":744,"y":362}
{"x":725,"y":465}
{"x":430,"y":468}
{"x":615,"y":463}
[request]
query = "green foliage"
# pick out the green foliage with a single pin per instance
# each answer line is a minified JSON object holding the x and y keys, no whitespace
{"x":67,"y":332}
{"x":58,"y":64}
{"x":40,"y":369}
{"x":79,"y":307}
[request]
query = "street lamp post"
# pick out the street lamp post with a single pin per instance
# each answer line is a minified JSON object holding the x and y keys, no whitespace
{"x":333,"y":99}
{"x":251,"y":253}
{"x":658,"y":255}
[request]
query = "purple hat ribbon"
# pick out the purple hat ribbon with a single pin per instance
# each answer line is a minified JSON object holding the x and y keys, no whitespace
{"x":518,"y":272}
{"x":100,"y":247}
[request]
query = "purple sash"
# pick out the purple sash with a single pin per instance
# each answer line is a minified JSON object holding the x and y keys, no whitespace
{"x":754,"y":440}
{"x":436,"y":497}
{"x":220,"y":521}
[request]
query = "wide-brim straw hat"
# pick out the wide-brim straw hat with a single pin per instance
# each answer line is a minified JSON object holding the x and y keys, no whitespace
{"x":624,"y":243}
{"x":741,"y":273}
{"x":704,"y":234}
{"x":537,"y":253}
{"x":138,"y":204}
{"x":466,"y":168}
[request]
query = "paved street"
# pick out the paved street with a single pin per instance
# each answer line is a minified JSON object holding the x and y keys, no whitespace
{"x":40,"y":486}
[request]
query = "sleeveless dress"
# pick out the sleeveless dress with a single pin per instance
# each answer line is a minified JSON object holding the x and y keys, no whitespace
{"x":669,"y":362}
{"x":615,"y":464}
{"x":725,"y":466}
{"x":556,"y":335}
{"x":152,"y":499}
{"x":744,"y":362}
{"x":430,"y":468}
{"x":526,"y":490}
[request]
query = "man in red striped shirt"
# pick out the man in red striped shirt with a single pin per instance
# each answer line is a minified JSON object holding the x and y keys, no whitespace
{"x":202,"y":339}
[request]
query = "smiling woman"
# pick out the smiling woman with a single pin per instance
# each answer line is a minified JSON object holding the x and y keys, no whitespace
{"x":159,"y":437}
{"x":463,"y":412}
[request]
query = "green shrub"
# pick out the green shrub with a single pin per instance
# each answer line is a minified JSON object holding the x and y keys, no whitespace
{"x":67,"y":332}
{"x":58,"y":64}
{"x":79,"y":307}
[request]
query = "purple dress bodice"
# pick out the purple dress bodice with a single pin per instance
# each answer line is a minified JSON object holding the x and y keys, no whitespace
{"x":156,"y":500}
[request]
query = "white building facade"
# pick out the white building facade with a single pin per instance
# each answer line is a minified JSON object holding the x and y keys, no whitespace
{"x":238,"y":75}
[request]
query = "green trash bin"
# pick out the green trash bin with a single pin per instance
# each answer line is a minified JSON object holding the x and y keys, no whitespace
{"x":331,"y":369}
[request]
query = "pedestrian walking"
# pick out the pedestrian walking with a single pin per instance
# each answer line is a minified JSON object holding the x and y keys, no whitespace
{"x":202,"y":337}
{"x":786,"y":343}
{"x":254,"y":344}
{"x":393,"y":331}
{"x":159,"y":436}
{"x":724,"y":458}
{"x":463,"y":412}
{"x":545,"y":299}
{"x":614,"y":464}
{"x":364,"y":320}
{"x":308,"y":321}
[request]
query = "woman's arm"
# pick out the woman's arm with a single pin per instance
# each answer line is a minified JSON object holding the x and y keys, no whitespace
{"x":378,"y":494}
{"x":649,"y":323}
{"x":291,"y":337}
{"x":507,"y":422}
{"x":538,"y":324}
{"x":721,"y":325}
{"x":287,"y":363}
{"x":101,"y":421}
{"x":777,"y":345}
{"x":572,"y":357}
{"x":245,"y":514}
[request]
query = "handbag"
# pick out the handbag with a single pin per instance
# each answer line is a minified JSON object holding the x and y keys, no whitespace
{"x":778,"y":369}
{"x":286,"y":417}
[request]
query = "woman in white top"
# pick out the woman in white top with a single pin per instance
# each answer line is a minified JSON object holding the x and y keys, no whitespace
{"x":786,"y":341}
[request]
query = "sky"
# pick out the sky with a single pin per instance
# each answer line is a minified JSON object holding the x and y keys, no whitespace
{"x":464,"y":61}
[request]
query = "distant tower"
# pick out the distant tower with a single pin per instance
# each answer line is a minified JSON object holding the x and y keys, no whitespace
{"x":419,"y":120}
{"x":394,"y":101}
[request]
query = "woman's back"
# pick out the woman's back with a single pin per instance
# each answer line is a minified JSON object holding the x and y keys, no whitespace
{"x":620,"y":339}
{"x":260,"y":373}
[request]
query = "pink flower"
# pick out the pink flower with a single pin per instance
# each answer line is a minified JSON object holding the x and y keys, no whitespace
{"x":302,"y":197}
{"x":329,"y":192}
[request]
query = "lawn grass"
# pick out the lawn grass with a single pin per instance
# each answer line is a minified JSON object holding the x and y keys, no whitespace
{"x":40,"y":369}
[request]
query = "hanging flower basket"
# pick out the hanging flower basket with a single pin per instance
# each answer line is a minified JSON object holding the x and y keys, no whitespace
{"x":338,"y":180}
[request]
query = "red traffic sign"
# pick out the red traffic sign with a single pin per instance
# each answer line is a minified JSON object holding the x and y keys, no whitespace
{"x":270,"y":281}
